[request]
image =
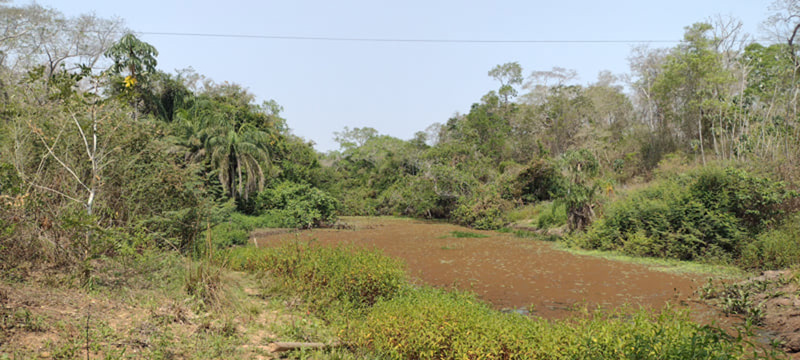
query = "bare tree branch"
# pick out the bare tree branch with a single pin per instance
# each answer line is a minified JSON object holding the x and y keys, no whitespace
{"x":83,"y":135}
{"x":64,"y":165}
{"x":57,"y":192}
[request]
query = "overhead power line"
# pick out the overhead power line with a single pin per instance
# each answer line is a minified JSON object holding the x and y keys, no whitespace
{"x":401,"y":40}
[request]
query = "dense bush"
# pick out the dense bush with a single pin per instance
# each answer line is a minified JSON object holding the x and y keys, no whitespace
{"x":778,"y":248}
{"x":751,"y":199}
{"x":156,"y":194}
{"x":299,"y":205}
{"x":485,"y":210}
{"x":236,"y":229}
{"x":707,"y":214}
{"x":229,"y":234}
{"x":412,"y":196}
{"x":9,"y":180}
{"x":17,"y":226}
{"x":9,"y":199}
{"x":358,"y":201}
{"x":550,"y":214}
{"x":540,"y":181}
{"x":137,"y":184}
{"x":433,"y":324}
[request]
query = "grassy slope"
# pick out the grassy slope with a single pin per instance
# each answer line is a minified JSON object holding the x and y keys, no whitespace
{"x":145,"y":311}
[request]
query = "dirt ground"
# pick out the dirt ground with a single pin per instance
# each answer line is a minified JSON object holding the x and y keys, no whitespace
{"x":48,"y":317}
{"x":775,"y":299}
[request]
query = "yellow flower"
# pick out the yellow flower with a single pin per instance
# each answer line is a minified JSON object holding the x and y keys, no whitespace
{"x":130,"y":81}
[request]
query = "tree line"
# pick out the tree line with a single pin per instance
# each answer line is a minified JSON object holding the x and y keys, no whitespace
{"x":103,"y":152}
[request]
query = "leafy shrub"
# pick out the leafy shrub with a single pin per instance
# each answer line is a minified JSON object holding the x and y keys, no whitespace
{"x":358,"y":201}
{"x":299,"y":205}
{"x":229,"y":234}
{"x":550,"y":215}
{"x":250,"y":223}
{"x":411,"y":196}
{"x":154,"y":191}
{"x":485,"y":211}
{"x":774,"y":249}
{"x":753,"y":200}
{"x":236,"y":229}
{"x":740,"y":299}
{"x":709,"y":221}
{"x":540,"y":181}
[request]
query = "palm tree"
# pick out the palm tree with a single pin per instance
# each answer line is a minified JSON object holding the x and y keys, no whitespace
{"x":190,"y":132}
{"x":212,"y":134}
{"x":238,"y":152}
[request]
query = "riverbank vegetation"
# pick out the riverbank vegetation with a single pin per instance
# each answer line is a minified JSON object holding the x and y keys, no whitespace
{"x":380,"y":314}
{"x":110,"y":167}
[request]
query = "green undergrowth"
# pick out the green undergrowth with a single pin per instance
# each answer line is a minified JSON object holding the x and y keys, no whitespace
{"x":661,"y":264}
{"x":527,"y":234}
{"x":778,"y":248}
{"x":381,"y":315}
{"x":436,"y":324}
{"x":288,"y":205}
{"x":296,"y":205}
{"x":329,"y":279}
{"x":549,"y":215}
{"x":710,"y":215}
{"x":236,"y":230}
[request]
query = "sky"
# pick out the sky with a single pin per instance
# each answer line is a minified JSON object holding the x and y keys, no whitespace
{"x":398,"y":88}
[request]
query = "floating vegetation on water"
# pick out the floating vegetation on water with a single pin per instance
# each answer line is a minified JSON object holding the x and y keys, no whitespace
{"x":453,"y":246}
{"x":467,"y":234}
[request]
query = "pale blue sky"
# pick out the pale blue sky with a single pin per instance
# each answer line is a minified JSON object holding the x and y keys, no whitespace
{"x":396,"y":88}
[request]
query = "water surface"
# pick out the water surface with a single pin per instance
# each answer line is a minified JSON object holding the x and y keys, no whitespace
{"x":507,"y":271}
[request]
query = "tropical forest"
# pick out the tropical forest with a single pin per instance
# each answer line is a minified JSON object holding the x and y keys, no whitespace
{"x":158,"y":214}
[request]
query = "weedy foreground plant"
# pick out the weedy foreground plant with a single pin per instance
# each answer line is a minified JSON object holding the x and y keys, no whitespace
{"x":386,"y":317}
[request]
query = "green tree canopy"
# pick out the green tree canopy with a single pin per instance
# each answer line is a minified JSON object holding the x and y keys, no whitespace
{"x":133,"y":56}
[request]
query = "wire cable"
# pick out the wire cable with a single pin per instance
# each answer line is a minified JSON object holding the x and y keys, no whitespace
{"x":401,"y":40}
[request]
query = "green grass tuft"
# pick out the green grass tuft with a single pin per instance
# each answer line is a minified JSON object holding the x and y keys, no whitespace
{"x":467,"y":234}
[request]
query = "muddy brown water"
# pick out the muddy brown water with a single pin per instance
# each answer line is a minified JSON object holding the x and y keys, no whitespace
{"x":509,"y":272}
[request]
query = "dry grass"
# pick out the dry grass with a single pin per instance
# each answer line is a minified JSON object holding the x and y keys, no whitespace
{"x":143,"y":313}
